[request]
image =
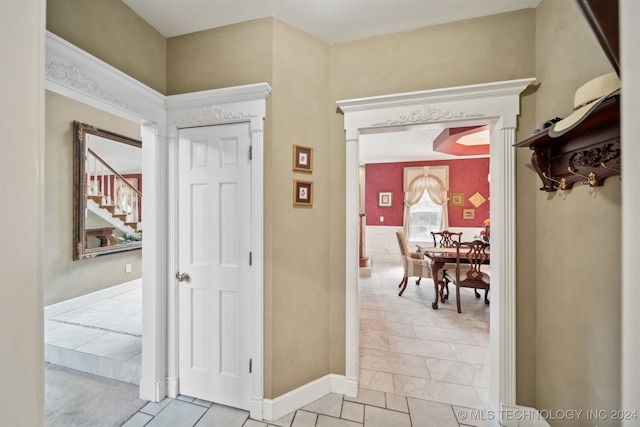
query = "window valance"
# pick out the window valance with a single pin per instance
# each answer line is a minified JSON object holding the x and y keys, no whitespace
{"x":440,"y":172}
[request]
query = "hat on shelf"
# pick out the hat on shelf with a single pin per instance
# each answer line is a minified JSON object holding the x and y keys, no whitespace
{"x":587,"y":98}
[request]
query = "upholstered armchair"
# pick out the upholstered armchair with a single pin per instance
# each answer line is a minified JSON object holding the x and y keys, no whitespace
{"x":414,"y":264}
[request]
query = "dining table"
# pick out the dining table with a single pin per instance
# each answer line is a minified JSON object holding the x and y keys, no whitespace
{"x":439,"y":257}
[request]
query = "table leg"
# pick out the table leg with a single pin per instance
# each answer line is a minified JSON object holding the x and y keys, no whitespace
{"x":435,"y":268}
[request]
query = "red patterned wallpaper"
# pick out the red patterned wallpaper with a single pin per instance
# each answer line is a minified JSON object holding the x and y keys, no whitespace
{"x":465,"y":176}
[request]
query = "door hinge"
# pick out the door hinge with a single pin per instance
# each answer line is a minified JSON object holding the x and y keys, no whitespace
{"x":251,"y":152}
{"x":250,"y":258}
{"x":250,"y":365}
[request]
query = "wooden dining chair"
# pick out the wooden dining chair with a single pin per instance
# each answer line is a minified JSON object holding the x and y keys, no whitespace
{"x":414,"y":264}
{"x":445,"y":239}
{"x":471,"y":269}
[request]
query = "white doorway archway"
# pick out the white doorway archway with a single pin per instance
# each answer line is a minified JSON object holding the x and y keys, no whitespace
{"x":497,"y":104}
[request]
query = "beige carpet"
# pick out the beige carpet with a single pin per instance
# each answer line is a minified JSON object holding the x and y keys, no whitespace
{"x":74,"y":398}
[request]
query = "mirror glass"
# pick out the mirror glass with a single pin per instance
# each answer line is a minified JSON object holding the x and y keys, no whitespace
{"x":107,"y":212}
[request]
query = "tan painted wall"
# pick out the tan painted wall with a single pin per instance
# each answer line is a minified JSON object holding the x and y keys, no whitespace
{"x":578,"y":245}
{"x":111,"y":31}
{"x":498,"y":47}
{"x":63,"y":277}
{"x":223,"y":57}
{"x":299,"y":331}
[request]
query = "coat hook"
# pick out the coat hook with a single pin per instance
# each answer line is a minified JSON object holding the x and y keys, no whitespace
{"x":591,"y":178}
{"x":562,"y":184}
{"x":607,"y":167}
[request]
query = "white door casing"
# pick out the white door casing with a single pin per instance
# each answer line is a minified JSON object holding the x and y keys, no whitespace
{"x":214,"y":245}
{"x":497,"y":104}
{"x":244,"y":104}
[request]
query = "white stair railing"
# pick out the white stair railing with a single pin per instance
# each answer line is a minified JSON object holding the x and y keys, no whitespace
{"x":112,"y":191}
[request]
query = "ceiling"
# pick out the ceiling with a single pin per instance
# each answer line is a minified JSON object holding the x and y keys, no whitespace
{"x":333,"y":21}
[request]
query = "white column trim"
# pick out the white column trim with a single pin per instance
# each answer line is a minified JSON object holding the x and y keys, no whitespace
{"x":153,"y":382}
{"x":173,"y":381}
{"x":497,"y":104}
{"x":502,"y":348}
{"x":257,"y":271}
{"x":352,"y":217}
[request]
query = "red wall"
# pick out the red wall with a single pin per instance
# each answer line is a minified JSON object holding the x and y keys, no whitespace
{"x":465,"y":176}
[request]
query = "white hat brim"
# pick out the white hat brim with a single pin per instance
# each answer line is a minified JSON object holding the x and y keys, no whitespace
{"x":574,"y":119}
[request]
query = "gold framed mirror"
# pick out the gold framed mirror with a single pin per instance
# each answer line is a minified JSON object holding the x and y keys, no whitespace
{"x":107,"y":186}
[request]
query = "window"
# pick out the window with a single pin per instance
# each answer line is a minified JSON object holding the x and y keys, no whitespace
{"x":426,"y":217}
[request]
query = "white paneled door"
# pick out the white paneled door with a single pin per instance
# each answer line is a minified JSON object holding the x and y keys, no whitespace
{"x":214,"y":263}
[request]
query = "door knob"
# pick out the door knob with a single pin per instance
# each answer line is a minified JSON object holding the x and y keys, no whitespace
{"x":181,"y":277}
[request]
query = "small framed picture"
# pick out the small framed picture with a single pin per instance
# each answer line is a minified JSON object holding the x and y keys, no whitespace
{"x":456,"y":199}
{"x":302,"y":193}
{"x":384,"y":199}
{"x":468,"y":213}
{"x":302,"y":159}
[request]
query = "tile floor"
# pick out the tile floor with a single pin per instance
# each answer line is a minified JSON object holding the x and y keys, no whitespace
{"x":103,"y":338}
{"x":418,"y":366}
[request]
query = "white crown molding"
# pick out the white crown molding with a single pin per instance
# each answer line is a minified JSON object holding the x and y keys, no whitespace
{"x":74,"y":73}
{"x":227,"y":95}
{"x":217,"y":106}
{"x":481,"y":101}
{"x":434,"y":96}
{"x":213,"y":114}
{"x":426,"y":114}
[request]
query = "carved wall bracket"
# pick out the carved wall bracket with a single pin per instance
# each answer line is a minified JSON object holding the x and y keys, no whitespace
{"x":588,"y":154}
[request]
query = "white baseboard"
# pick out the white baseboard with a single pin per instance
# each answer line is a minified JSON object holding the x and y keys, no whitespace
{"x":172,"y":387}
{"x":73,"y":303}
{"x":255,"y":407}
{"x":351,"y":387}
{"x":272,"y":409}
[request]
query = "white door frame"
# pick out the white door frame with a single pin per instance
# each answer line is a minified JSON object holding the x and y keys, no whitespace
{"x":498,"y":104}
{"x":208,"y":108}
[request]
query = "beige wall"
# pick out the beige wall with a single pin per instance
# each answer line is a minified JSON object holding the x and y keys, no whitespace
{"x":578,"y":242}
{"x":21,"y":213}
{"x":65,"y":278}
{"x":223,"y":57}
{"x":301,"y":340}
{"x":109,"y":30}
{"x":488,"y":49}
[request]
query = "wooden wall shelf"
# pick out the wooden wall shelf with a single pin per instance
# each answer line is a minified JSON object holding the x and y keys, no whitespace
{"x":589,"y":153}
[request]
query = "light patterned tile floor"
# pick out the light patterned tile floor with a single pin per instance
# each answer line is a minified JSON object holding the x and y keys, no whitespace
{"x":419,"y":367}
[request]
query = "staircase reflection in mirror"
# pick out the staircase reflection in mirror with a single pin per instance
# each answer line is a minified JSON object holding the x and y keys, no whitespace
{"x":107,"y":211}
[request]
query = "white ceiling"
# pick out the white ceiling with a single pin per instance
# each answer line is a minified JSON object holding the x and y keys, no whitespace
{"x":332,"y":21}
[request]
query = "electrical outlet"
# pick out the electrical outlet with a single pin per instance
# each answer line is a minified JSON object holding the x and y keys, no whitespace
{"x":381,"y":219}
{"x":127,"y":268}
